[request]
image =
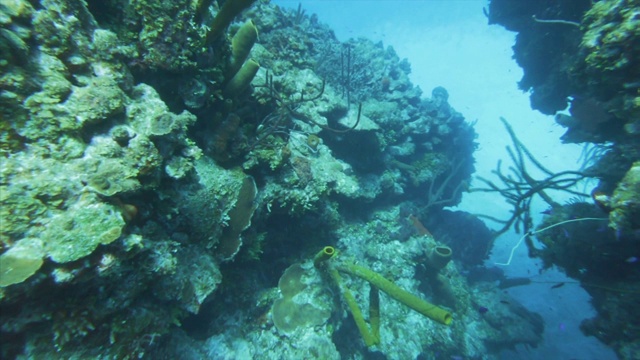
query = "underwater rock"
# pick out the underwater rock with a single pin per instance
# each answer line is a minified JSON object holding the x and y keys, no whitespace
{"x":625,"y":202}
{"x":465,"y":233}
{"x":76,"y":233}
{"x":195,"y":277}
{"x":310,"y":178}
{"x":610,"y":56}
{"x":544,"y":76}
{"x":595,"y":58}
{"x":97,"y":101}
{"x":151,"y":119}
{"x":617,"y":319}
{"x":218,"y":208}
{"x":268,"y":346}
{"x":194,"y":93}
{"x":501,"y":322}
{"x":110,"y":177}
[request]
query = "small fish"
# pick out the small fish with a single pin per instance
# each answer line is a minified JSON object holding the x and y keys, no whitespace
{"x":631,"y":259}
{"x":483,"y":309}
{"x":557,"y":285}
{"x":549,"y":211}
{"x":422,"y":230}
{"x":504,"y":302}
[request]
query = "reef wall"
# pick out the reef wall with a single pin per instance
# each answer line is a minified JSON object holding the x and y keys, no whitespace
{"x":581,"y":64}
{"x":165,"y":163}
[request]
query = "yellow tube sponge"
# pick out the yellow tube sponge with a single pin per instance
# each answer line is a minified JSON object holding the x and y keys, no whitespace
{"x":369,"y":338}
{"x":423,"y":307}
{"x":374,"y":311}
{"x":439,"y":257}
{"x":323,"y":255}
{"x":225,"y":16}
{"x":241,"y":80}
{"x":241,"y":45}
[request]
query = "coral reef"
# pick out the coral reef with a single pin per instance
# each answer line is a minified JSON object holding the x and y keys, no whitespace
{"x":594,"y":63}
{"x":625,"y":202}
{"x":594,"y":70}
{"x":155,"y":185}
{"x":547,"y":77}
{"x":609,"y":59}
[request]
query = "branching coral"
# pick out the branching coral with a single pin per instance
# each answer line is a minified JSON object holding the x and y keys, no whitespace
{"x":289,"y":108}
{"x":519,"y":187}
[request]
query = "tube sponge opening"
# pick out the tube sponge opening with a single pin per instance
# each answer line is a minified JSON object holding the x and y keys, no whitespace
{"x":439,"y":257}
{"x":325,"y":254}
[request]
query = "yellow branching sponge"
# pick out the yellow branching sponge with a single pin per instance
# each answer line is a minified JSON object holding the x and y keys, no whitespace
{"x":325,"y":254}
{"x":368,"y":336}
{"x":425,"y":308}
{"x":377,"y":282}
